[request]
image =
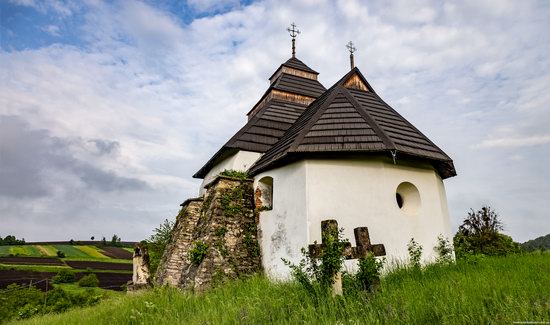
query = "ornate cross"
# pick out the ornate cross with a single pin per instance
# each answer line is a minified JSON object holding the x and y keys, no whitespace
{"x":361,"y":250}
{"x":351,"y":49}
{"x":293,"y":33}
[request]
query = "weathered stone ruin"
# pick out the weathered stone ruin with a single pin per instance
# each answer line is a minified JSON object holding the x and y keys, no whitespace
{"x":141,"y":275}
{"x":215,"y":238}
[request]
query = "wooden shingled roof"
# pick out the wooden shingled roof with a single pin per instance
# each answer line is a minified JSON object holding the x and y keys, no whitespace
{"x":351,"y":118}
{"x":272,"y":116}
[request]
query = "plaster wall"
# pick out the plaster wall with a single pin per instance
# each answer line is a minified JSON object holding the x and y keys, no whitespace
{"x":242,"y":160}
{"x":362,"y":192}
{"x":284,"y":228}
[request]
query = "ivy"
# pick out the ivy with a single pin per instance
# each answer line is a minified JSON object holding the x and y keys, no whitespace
{"x":198,"y":252}
{"x":242,"y":175}
{"x":232,"y":201}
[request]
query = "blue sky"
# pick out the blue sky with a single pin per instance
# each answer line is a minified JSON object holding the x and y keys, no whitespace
{"x":108,"y":108}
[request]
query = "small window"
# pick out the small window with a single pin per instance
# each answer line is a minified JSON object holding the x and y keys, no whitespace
{"x":263,"y":194}
{"x":407,"y":198}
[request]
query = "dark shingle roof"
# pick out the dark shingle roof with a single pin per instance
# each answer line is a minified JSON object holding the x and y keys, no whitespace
{"x":351,"y":120}
{"x":297,"y":64}
{"x":301,"y":86}
{"x":268,"y":125}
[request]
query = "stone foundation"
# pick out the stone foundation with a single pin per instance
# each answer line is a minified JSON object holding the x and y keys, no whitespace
{"x":214,"y":238}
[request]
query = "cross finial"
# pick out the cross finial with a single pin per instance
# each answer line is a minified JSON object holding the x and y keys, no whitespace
{"x":351,"y":49}
{"x":293,"y":33}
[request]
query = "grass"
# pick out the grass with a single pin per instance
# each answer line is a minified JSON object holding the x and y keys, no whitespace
{"x":46,"y":250}
{"x":21,"y":250}
{"x":487,"y":290}
{"x":71,"y":251}
{"x":55,"y":268}
{"x":91,"y":251}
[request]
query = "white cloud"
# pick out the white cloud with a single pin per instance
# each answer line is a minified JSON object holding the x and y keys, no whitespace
{"x":171,"y":94}
{"x":52,"y":30}
{"x":514,"y":142}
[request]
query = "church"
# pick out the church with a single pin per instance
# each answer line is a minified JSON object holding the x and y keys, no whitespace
{"x":340,"y":153}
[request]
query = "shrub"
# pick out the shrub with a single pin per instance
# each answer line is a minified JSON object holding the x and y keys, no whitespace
{"x":64,"y":276}
{"x":234,"y":173}
{"x":369,"y":272}
{"x":89,"y":280}
{"x":444,"y":250}
{"x":415,"y":253}
{"x":60,"y":254}
{"x":318,"y":272}
{"x":198,"y":252}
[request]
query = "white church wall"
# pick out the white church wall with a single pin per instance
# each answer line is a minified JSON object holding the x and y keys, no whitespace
{"x":284,"y":227}
{"x":242,"y":160}
{"x":361,"y":192}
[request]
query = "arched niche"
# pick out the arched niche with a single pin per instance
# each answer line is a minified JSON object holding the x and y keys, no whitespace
{"x":263,"y":195}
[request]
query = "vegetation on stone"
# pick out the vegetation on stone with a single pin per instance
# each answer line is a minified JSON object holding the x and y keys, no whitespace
{"x":198,"y":252}
{"x":235,"y":174}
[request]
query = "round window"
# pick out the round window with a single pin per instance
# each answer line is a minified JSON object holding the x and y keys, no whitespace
{"x":407,"y":198}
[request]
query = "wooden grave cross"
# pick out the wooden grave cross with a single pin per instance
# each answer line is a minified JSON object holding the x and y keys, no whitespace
{"x":361,"y":250}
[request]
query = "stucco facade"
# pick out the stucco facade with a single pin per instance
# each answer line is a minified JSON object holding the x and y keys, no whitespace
{"x":356,"y":192}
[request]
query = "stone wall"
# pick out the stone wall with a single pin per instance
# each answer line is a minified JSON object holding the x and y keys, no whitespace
{"x":214,"y":238}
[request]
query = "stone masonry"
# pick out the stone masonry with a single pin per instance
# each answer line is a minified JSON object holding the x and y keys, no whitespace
{"x":214,"y":238}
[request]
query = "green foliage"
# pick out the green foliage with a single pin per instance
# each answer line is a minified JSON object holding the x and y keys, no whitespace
{"x":60,"y":254}
{"x":231,"y":201}
{"x":444,"y":250}
{"x":22,"y":302}
{"x":89,"y":280}
{"x":235,"y":174}
{"x":541,"y":243}
{"x":415,"y":253}
{"x":316,"y":273}
{"x":11,"y":240}
{"x":115,"y":241}
{"x":479,"y":234}
{"x":457,"y":293}
{"x":368,"y":275}
{"x":198,"y":252}
{"x":64,"y":276}
{"x":156,"y":244}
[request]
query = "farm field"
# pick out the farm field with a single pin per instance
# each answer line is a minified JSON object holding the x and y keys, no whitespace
{"x":70,"y":251}
{"x":36,"y":263}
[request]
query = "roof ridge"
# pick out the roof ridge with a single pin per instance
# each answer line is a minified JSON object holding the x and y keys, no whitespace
{"x":390,"y":145}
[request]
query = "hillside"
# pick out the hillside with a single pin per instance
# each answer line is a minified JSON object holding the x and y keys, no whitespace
{"x":542,"y":242}
{"x":498,"y":290}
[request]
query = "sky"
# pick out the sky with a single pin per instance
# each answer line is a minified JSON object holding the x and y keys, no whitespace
{"x":107,"y":108}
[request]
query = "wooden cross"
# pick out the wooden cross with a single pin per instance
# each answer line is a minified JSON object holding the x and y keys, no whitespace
{"x":361,"y":250}
{"x":351,"y":50}
{"x":293,"y":33}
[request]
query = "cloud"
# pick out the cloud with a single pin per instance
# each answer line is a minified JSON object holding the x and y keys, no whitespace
{"x":148,"y":95}
{"x":514,"y":142}
{"x":52,"y":30}
{"x":31,"y":157}
{"x":60,"y":7}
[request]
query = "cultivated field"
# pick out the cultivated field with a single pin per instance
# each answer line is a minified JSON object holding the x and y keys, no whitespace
{"x":36,"y":264}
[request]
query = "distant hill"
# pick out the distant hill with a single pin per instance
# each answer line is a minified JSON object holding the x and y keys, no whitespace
{"x":542,"y":242}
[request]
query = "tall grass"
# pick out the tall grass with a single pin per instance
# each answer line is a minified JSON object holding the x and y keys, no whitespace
{"x":487,"y":290}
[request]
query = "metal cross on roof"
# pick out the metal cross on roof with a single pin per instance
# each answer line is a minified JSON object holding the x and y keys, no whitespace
{"x":293,"y":33}
{"x":351,"y":49}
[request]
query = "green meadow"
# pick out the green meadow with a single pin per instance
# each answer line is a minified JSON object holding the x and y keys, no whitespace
{"x":482,"y":290}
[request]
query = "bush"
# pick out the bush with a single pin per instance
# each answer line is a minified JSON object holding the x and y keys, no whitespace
{"x":444,"y":250}
{"x":198,"y":252}
{"x":415,"y":253}
{"x":369,"y":272}
{"x":60,"y":254}
{"x":89,"y":280}
{"x":64,"y":276}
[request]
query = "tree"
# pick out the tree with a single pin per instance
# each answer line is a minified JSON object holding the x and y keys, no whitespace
{"x":480,"y":234}
{"x":104,"y":241}
{"x":92,"y":238}
{"x":157,"y":243}
{"x":115,"y":241}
